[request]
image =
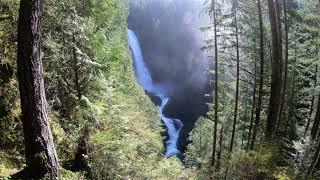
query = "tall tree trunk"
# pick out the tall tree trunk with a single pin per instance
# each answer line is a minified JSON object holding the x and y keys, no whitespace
{"x":220,"y":150}
{"x":314,"y":163}
{"x":316,"y":123}
{"x":41,"y":157}
{"x":276,"y":77}
{"x":261,"y":77}
{"x":253,"y":104}
{"x":312,"y":103}
{"x":215,"y":85}
{"x":279,"y":23}
{"x":284,"y":89}
{"x":243,"y":137}
{"x":235,"y":115}
{"x":291,"y":118}
{"x":76,"y":68}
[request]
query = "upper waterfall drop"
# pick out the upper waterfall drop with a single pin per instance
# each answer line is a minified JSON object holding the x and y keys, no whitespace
{"x":142,"y":72}
{"x":145,"y":80}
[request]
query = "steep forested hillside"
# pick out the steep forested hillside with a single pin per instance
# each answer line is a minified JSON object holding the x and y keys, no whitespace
{"x":101,"y":120}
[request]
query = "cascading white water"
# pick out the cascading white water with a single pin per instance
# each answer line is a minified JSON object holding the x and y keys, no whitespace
{"x":144,"y":79}
{"x":142,"y":72}
{"x":171,"y":144}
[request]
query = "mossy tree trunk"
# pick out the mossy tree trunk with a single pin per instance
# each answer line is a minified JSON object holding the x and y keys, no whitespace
{"x":76,"y":68}
{"x":276,"y":77}
{"x":285,"y":77}
{"x":236,"y":106}
{"x":41,"y":157}
{"x":316,"y":122}
{"x":253,"y":108}
{"x":215,"y":128}
{"x":312,"y":103}
{"x":261,"y":79}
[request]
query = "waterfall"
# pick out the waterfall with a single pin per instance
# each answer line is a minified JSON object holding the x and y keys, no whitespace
{"x":173,"y":132}
{"x":145,"y":80}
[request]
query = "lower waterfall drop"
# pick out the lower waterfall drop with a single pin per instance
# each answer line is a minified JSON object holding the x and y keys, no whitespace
{"x":143,"y":76}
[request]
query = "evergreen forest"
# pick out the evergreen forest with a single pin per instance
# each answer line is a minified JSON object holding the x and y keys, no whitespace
{"x":160,"y":89}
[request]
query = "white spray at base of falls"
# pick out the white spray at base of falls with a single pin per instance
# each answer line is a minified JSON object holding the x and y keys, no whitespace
{"x":144,"y":79}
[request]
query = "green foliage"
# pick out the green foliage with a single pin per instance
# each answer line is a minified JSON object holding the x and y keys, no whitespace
{"x":259,"y":163}
{"x":126,"y":144}
{"x":246,"y":165}
{"x":10,"y":111}
{"x":10,"y":163}
{"x":8,"y":24}
{"x":199,"y":150}
{"x":67,"y":175}
{"x":11,"y":138}
{"x":171,"y":169}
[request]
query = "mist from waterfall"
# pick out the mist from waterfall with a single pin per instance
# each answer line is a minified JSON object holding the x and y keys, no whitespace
{"x":144,"y":78}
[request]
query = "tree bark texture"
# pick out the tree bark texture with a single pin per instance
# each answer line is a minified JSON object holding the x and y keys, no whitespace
{"x":41,"y":157}
{"x":261,"y":79}
{"x":276,"y":77}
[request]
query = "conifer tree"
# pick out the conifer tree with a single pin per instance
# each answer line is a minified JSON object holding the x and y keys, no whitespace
{"x":276,"y":76}
{"x":41,"y":157}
